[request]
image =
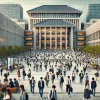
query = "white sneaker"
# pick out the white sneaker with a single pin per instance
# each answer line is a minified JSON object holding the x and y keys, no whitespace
{"x":68,"y":96}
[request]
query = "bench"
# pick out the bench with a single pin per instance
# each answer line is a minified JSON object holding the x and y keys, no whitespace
{"x":12,"y":90}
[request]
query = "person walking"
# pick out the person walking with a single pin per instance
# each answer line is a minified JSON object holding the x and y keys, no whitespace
{"x":86,"y":77}
{"x":61,"y":81}
{"x":73,"y":77}
{"x":87,"y":91}
{"x":29,"y":74}
{"x":47,"y":78}
{"x":23,"y":94}
{"x":41,"y":86}
{"x":52,"y":94}
{"x":32,"y":85}
{"x":18,"y":74}
{"x":23,"y":74}
{"x":81,"y":75}
{"x":52,"y":78}
{"x":68,"y":86}
{"x":93,"y":86}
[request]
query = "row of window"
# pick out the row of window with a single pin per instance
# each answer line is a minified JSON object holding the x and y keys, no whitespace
{"x":53,"y":15}
{"x":93,"y":36}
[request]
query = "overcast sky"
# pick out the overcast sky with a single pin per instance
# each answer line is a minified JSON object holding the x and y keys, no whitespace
{"x":29,"y":4}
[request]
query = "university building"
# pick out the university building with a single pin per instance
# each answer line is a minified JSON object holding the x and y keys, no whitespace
{"x":54,"y":26}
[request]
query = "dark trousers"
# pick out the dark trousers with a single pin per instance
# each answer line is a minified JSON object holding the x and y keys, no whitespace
{"x":52,"y":81}
{"x":41,"y":91}
{"x":47,"y":82}
{"x":81,"y":79}
{"x":32,"y":89}
{"x":68,"y":89}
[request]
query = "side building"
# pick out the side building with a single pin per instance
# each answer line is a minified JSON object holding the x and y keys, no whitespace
{"x":11,"y":34}
{"x":54,"y":26}
{"x":93,"y":34}
{"x":92,"y":12}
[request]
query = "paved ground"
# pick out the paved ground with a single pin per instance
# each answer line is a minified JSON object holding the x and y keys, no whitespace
{"x":60,"y":97}
{"x":77,"y":87}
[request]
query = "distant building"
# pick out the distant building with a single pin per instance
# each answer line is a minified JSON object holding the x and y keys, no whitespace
{"x":54,"y":26}
{"x":14,"y":11}
{"x":11,"y":34}
{"x":93,"y":34}
{"x":92,"y":12}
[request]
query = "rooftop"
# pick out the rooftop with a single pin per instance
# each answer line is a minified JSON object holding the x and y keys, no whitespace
{"x":54,"y":22}
{"x":54,"y":9}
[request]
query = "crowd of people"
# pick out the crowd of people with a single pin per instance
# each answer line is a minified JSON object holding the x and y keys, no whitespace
{"x":57,"y":65}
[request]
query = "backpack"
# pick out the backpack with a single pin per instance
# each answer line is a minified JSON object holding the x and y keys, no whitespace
{"x":27,"y":97}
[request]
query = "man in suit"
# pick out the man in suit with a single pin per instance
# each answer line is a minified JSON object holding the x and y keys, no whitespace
{"x":53,"y":93}
{"x":32,"y":85}
{"x":41,"y":86}
{"x":93,"y":86}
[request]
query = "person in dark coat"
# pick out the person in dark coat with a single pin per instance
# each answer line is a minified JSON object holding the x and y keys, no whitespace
{"x":32,"y":85}
{"x":53,"y":93}
{"x":93,"y":86}
{"x":23,"y":74}
{"x":41,"y":86}
{"x":47,"y":79}
{"x":11,"y":84}
{"x":61,"y":81}
{"x":52,"y":78}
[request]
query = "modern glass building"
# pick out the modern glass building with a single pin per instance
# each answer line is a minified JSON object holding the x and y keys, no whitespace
{"x":92,"y":12}
{"x":54,"y":26}
{"x":14,"y":11}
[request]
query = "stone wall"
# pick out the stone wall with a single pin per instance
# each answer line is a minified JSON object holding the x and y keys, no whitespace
{"x":11,"y":34}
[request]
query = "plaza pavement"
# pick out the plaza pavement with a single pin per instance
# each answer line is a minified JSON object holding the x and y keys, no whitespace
{"x":77,"y":87}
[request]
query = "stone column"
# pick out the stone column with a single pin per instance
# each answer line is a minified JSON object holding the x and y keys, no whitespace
{"x":45,"y":37}
{"x":71,"y":38}
{"x":39,"y":37}
{"x":60,"y":38}
{"x":50,"y":38}
{"x":66,"y":37}
{"x":55,"y":37}
{"x":34,"y":38}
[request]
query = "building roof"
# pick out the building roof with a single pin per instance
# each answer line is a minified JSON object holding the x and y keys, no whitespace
{"x":54,"y":9}
{"x":54,"y":23}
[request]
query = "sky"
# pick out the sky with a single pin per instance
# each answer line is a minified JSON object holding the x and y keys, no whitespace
{"x":30,"y":4}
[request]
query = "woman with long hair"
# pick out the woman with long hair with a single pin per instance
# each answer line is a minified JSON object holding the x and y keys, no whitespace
{"x":87,"y":91}
{"x":22,"y":93}
{"x":7,"y":95}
